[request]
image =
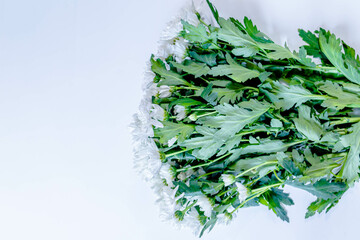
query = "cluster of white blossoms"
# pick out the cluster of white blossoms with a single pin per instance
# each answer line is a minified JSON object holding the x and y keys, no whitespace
{"x":146,"y":154}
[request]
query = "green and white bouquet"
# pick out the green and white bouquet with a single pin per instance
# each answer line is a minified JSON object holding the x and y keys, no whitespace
{"x":229,"y":118}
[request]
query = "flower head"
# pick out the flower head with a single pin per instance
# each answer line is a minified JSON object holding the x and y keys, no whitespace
{"x":242,"y":190}
{"x":164,"y":91}
{"x":228,"y":179}
{"x":205,"y":204}
{"x":179,"y":112}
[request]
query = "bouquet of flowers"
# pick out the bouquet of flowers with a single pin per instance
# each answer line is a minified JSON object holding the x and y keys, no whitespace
{"x":229,"y":117}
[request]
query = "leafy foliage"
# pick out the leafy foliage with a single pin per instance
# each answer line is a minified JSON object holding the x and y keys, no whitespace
{"x":246,"y":116}
{"x":234,"y":71}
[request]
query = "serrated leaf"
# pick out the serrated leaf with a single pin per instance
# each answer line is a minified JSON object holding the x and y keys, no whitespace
{"x":259,"y":163}
{"x":341,"y":98}
{"x":303,"y":58}
{"x":230,"y":33}
{"x":308,"y":125}
{"x":321,"y":189}
{"x":213,"y":10}
{"x":276,"y":199}
{"x":313,"y":47}
{"x":234,"y":71}
{"x":277,"y":51}
{"x":332,"y":47}
{"x":209,"y":59}
{"x":234,"y":118}
{"x":172,"y":129}
{"x":350,"y":167}
{"x":206,"y":143}
{"x":169,"y":77}
{"x":195,"y":33}
{"x":253,"y":32}
{"x":319,"y":170}
{"x":196,"y":69}
{"x":226,"y":95}
{"x":245,"y":51}
{"x":265,"y":146}
{"x":292,"y":95}
{"x":229,"y":144}
{"x":209,"y":95}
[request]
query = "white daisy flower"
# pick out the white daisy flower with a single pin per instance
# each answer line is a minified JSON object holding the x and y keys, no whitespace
{"x":204,"y":203}
{"x":224,"y":218}
{"x":157,"y":115}
{"x":191,"y":219}
{"x":243,"y":191}
{"x":167,"y":203}
{"x":167,"y":174}
{"x":179,"y":50}
{"x":164,"y":91}
{"x":179,"y":112}
{"x":228,"y":179}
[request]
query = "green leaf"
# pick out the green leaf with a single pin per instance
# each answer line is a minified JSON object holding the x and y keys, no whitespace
{"x":206,"y":143}
{"x":265,"y":146}
{"x":255,"y":34}
{"x":292,"y":95}
{"x":263,"y":164}
{"x":308,"y":125}
{"x":341,"y":98}
{"x":169,"y":77}
{"x":213,"y":10}
{"x":229,"y":144}
{"x":276,"y":123}
{"x":186,"y":102}
{"x":319,"y":205}
{"x":196,"y":69}
{"x":209,"y":96}
{"x":332,"y":47}
{"x":319,"y":170}
{"x":350,"y":167}
{"x":172,"y":129}
{"x":303,"y":59}
{"x":313,"y":47}
{"x":245,"y":51}
{"x":276,"y":199}
{"x":321,"y":189}
{"x":277,"y":51}
{"x":230,"y":33}
{"x":209,"y":59}
{"x":234,"y":71}
{"x":226,"y":95}
{"x":289,"y":165}
{"x":234,"y":118}
{"x":195,"y":33}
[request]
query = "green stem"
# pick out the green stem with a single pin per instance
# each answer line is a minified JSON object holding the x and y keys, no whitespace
{"x":206,"y":114}
{"x":203,"y":164}
{"x":206,"y":174}
{"x":174,"y":153}
{"x":187,"y":88}
{"x":229,"y":190}
{"x":188,"y":207}
{"x":277,"y":176}
{"x":345,"y":120}
{"x":266,"y":188}
{"x":253,"y":168}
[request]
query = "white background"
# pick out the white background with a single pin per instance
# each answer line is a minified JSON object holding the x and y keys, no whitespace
{"x":70,"y":77}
